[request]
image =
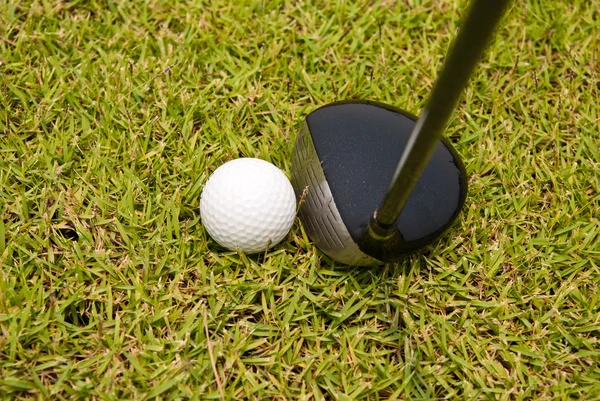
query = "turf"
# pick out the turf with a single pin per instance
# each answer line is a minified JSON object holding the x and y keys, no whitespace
{"x":113,"y":115}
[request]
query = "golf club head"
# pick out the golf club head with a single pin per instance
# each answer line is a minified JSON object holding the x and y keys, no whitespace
{"x":343,"y":161}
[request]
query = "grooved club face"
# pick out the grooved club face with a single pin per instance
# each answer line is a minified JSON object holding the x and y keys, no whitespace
{"x":343,"y":161}
{"x":318,"y":210}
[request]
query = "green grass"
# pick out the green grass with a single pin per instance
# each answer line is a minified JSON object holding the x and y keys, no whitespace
{"x":112,"y":116}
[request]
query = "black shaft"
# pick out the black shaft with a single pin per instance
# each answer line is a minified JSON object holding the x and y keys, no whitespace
{"x":476,"y":30}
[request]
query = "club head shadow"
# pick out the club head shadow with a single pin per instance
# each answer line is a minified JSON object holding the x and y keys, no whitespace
{"x":343,"y":162}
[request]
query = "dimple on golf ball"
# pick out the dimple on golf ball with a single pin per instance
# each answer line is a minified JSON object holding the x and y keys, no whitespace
{"x":248,"y":204}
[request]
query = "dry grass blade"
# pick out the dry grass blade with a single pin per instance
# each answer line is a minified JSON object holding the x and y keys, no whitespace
{"x":212,"y":356}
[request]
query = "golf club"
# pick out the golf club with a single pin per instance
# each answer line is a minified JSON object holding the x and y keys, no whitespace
{"x":374,"y":182}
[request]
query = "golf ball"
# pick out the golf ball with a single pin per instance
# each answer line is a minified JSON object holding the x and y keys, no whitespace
{"x":248,"y":204}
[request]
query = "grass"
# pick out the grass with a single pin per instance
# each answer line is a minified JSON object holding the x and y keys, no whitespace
{"x":112,"y":116}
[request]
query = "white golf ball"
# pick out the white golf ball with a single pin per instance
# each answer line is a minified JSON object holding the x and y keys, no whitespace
{"x":248,"y":204}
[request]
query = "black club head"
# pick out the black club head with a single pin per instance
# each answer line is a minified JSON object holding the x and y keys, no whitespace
{"x":343,"y":162}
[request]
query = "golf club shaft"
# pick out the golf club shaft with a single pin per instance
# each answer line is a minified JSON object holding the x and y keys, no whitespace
{"x":477,"y":29}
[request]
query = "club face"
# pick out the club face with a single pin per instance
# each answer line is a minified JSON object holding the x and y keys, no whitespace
{"x":318,"y":211}
{"x":343,"y":161}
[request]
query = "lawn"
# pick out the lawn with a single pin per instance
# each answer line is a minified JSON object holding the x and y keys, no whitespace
{"x":114,"y":113}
